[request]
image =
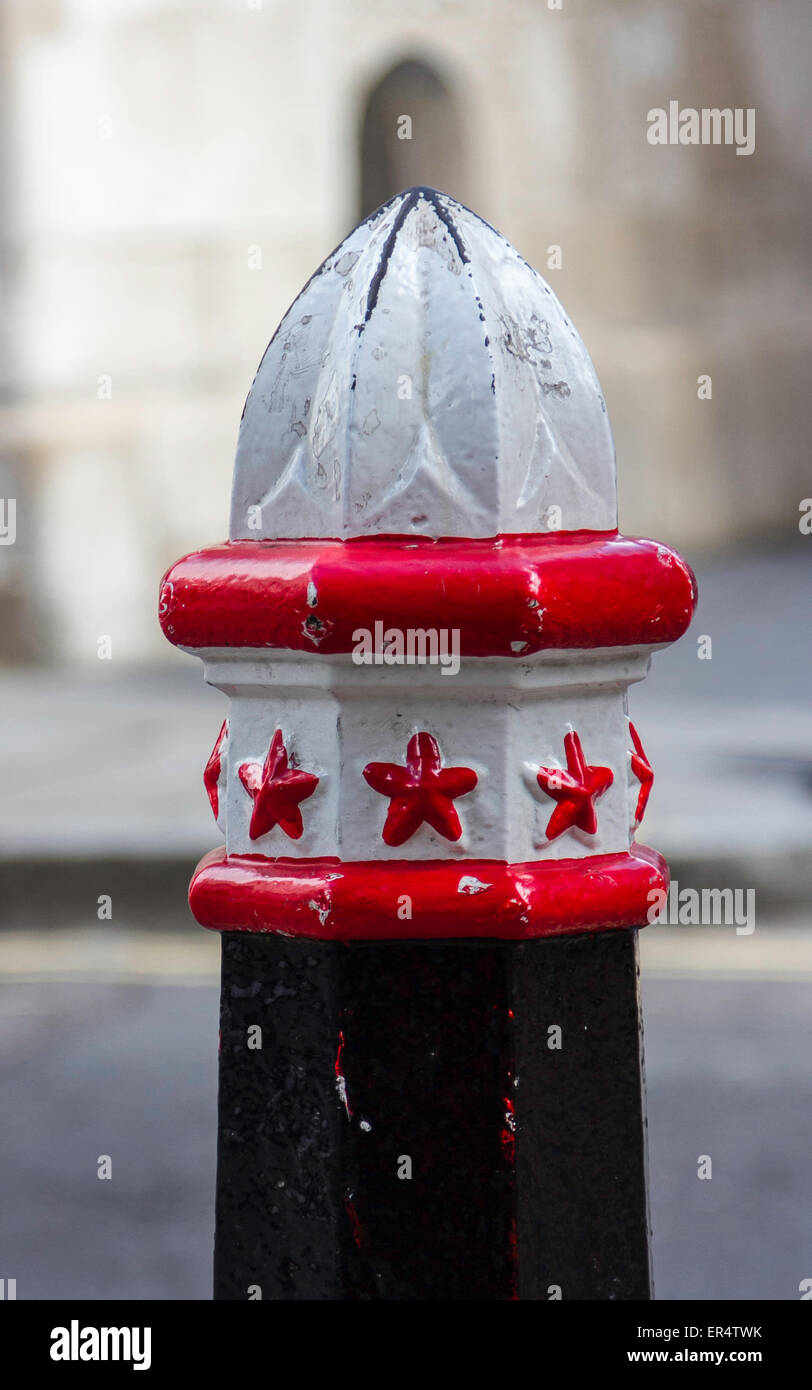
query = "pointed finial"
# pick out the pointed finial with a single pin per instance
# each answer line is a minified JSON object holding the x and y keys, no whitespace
{"x":426,"y":381}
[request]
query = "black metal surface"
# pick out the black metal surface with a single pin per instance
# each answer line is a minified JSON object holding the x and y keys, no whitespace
{"x":277,"y":1219}
{"x":527,"y":1161}
{"x":581,"y":1151}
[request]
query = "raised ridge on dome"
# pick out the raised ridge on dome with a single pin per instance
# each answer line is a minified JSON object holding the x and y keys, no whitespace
{"x":425,"y":381}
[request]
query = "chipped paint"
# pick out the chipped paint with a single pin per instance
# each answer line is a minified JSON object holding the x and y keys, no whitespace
{"x":507,"y":1134}
{"x":469,"y":884}
{"x":322,"y":910}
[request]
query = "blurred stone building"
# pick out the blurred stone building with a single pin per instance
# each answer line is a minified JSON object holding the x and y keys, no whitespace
{"x":174,"y":170}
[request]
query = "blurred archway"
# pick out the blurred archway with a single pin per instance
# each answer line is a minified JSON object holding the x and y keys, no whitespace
{"x":411,"y":133}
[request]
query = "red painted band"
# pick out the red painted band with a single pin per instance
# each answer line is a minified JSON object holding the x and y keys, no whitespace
{"x":508,"y":596}
{"x":332,"y":900}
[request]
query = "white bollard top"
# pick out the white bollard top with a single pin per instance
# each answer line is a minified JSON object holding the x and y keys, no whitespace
{"x":426,"y":381}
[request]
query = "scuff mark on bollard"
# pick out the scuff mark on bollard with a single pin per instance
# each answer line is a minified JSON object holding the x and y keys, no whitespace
{"x":507,"y":1135}
{"x":322,"y":910}
{"x":316,"y":628}
{"x":469,"y":884}
{"x":346,"y":263}
{"x":341,"y":1081}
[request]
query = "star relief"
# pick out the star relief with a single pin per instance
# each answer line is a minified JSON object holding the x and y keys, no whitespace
{"x":277,"y":790}
{"x":575,"y":790}
{"x":643,"y":771}
{"x":211,"y":774}
{"x":421,"y":791}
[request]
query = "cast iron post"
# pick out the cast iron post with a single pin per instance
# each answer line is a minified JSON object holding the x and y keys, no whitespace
{"x":427,"y":622}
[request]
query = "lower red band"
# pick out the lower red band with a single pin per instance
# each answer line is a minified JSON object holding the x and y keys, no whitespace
{"x":398,"y":899}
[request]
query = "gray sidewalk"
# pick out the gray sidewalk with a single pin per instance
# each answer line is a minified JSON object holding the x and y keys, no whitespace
{"x":103,"y":767}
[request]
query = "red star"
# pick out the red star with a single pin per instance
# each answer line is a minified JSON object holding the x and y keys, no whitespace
{"x":211,"y":774}
{"x":277,"y":791}
{"x":642,"y":769}
{"x":575,"y":790}
{"x":423,"y":790}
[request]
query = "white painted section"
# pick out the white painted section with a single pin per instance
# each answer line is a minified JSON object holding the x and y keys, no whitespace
{"x":425,"y":381}
{"x":502,"y":718}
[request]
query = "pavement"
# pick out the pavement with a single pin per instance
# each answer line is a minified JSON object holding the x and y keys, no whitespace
{"x":108,"y":1046}
{"x":730,"y":737}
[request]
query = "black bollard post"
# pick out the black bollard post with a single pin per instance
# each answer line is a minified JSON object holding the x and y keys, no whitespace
{"x":409,"y":1132}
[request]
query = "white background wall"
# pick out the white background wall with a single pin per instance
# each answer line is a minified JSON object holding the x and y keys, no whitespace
{"x":235,"y":126}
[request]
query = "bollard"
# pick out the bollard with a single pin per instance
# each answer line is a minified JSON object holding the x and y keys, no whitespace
{"x":427,"y":623}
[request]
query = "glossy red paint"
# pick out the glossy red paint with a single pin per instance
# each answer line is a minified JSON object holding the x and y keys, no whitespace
{"x":575,"y":790}
{"x":355,"y":1224}
{"x":277,"y":791}
{"x":642,"y":769}
{"x":421,"y":791}
{"x":211,"y":772}
{"x":508,"y":596}
{"x":335,"y":900}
